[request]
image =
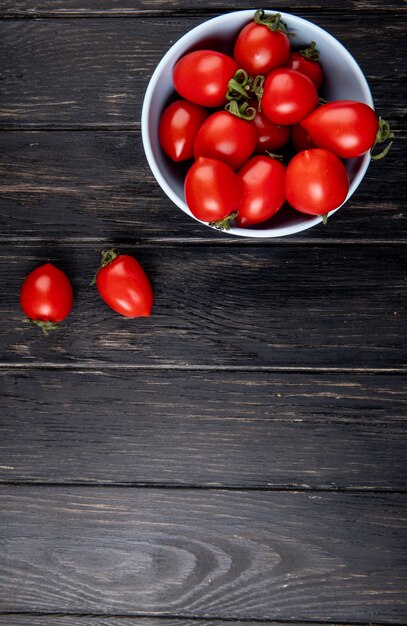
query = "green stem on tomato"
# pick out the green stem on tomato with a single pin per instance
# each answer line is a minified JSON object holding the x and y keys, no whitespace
{"x":273,"y":22}
{"x":311,"y":52}
{"x":243,"y":111}
{"x":276,"y":157}
{"x":107,"y":257}
{"x":258,"y":89}
{"x":225,"y":223}
{"x":239,"y":86}
{"x":383,"y":134}
{"x":46,"y":327}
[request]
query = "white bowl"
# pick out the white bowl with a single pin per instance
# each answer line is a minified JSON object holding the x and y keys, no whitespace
{"x":343,"y":80}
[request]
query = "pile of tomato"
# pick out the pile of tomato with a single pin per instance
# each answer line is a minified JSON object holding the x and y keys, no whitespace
{"x":234,"y":112}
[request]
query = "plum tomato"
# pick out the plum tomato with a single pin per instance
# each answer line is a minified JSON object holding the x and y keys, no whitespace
{"x":202,"y":77}
{"x":46,"y":296}
{"x":123,"y":285}
{"x":213,"y":190}
{"x":307,"y":62}
{"x":263,"y":190}
{"x":300,"y":139}
{"x":269,"y":136}
{"x":316,"y":182}
{"x":288,"y":96}
{"x":262,"y":45}
{"x":345,"y":127}
{"x":177,"y":129}
{"x":226,"y":137}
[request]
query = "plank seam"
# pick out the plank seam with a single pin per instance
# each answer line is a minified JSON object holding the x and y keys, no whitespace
{"x":400,"y":133}
{"x":178,"y":617}
{"x":199,"y":241}
{"x":196,"y":487}
{"x":204,"y":368}
{"x":186,"y":13}
{"x":108,"y":128}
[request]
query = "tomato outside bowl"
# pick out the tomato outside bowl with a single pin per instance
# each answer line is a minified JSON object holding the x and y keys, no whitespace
{"x":343,"y":80}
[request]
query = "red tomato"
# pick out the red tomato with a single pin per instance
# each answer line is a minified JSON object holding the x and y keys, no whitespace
{"x":212,"y":190}
{"x":316,"y":182}
{"x":300,"y":138}
{"x":46,"y":296}
{"x":288,"y":96}
{"x":306,"y":62}
{"x":178,"y":127}
{"x":345,"y":127}
{"x":260,"y":46}
{"x":226,"y":137}
{"x":269,"y":136}
{"x":123,"y":285}
{"x":202,"y":77}
{"x":263,"y":190}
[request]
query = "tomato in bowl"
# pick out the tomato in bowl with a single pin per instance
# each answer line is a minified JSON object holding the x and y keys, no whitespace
{"x":343,"y":80}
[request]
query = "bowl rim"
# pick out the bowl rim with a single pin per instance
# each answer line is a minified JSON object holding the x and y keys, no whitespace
{"x":176,"y":50}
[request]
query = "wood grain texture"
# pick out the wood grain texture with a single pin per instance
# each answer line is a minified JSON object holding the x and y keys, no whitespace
{"x":129,"y":7}
{"x":110,"y":61}
{"x":278,"y":306}
{"x":261,"y":370}
{"x":77,"y":185}
{"x":224,"y":429}
{"x":290,"y":556}
{"x":100,"y":620}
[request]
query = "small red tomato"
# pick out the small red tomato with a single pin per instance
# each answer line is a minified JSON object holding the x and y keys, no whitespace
{"x":345,"y":127}
{"x":212,"y":190}
{"x":288,"y":96}
{"x":300,"y":138}
{"x":202,"y":77}
{"x":269,"y":136}
{"x":261,"y":46}
{"x":263,"y":190}
{"x":226,"y":137}
{"x":306,"y":62}
{"x":316,"y":182}
{"x":178,"y":127}
{"x":123,"y":285}
{"x":46,"y":296}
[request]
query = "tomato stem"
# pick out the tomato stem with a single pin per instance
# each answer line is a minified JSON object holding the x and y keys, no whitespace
{"x":46,"y":327}
{"x":276,"y":157}
{"x":383,"y":134}
{"x":239,"y":86}
{"x":225,"y":223}
{"x":273,"y":22}
{"x":258,"y":89}
{"x":244,"y":86}
{"x":325,"y":219}
{"x":311,"y":53}
{"x":244,"y":111}
{"x":107,"y":257}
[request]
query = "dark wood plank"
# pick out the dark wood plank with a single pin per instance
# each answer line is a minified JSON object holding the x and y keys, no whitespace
{"x":100,"y":620}
{"x":274,"y":306}
{"x":98,"y":185}
{"x":289,"y":556}
{"x":114,"y":59}
{"x":129,"y":7}
{"x":204,"y":429}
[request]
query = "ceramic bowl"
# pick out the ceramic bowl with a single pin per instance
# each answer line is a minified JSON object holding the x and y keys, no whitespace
{"x":343,"y":79}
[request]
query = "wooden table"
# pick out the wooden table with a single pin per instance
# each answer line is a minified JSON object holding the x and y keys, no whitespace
{"x":239,"y":457}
